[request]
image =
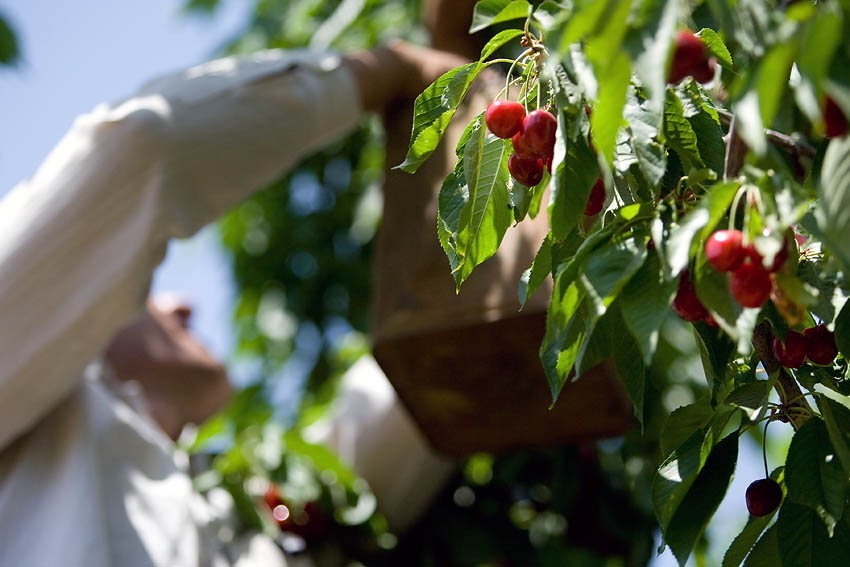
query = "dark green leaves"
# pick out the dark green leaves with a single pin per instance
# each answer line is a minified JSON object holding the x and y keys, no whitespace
{"x":433,"y":110}
{"x":574,"y":171}
{"x":804,"y":542}
{"x":8,"y":44}
{"x":813,"y":474}
{"x":646,"y":303}
{"x":689,"y":486}
{"x":489,"y":12}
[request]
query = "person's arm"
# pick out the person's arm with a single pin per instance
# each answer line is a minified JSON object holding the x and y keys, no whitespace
{"x":80,"y":240}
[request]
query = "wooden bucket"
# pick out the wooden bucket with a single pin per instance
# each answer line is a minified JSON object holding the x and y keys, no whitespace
{"x":466,"y":365}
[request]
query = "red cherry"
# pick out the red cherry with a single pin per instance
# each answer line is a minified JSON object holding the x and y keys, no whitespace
{"x":520,"y":148}
{"x":704,"y":73}
{"x":724,"y":250}
{"x":710,"y":321}
{"x":548,"y":161}
{"x":750,"y":284}
{"x":778,"y":260}
{"x":596,"y":199}
{"x":527,"y":171}
{"x":763,"y":497}
{"x":836,"y":122}
{"x":793,"y":353}
{"x":686,"y":304}
{"x":538,"y":132}
{"x":689,"y":55}
{"x":822,"y":348}
{"x":504,"y":117}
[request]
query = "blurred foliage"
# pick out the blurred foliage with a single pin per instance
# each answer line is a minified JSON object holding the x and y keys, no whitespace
{"x":9,"y":52}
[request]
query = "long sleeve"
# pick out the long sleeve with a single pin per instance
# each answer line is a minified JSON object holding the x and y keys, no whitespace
{"x":80,"y":240}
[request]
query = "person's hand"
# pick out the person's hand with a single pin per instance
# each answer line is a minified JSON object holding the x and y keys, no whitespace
{"x":181,"y":381}
{"x":398,"y":71}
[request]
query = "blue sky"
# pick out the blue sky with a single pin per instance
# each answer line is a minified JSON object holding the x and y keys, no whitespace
{"x":77,"y":54}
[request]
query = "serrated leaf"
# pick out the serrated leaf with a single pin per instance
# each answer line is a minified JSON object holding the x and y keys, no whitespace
{"x":646,"y":303}
{"x":751,"y":398}
{"x":683,"y":422}
{"x":536,"y":274}
{"x":716,"y":46}
{"x":833,"y":214}
{"x":574,"y":172}
{"x":702,"y":499}
{"x":644,"y":128}
{"x":766,"y":551}
{"x":842,"y":330}
{"x":487,"y":215}
{"x":804,"y":542}
{"x":565,"y":331}
{"x":648,"y":45}
{"x":744,"y":541}
{"x":433,"y":110}
{"x":837,"y":420}
{"x":453,"y":198}
{"x":498,"y":41}
{"x":680,"y":134}
{"x":813,"y":474}
{"x":607,"y":117}
{"x":489,"y":12}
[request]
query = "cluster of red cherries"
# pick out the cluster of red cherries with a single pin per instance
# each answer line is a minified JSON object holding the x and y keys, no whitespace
{"x":310,"y":523}
{"x":532,"y":136}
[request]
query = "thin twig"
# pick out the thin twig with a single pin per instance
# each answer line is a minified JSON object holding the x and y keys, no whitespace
{"x":784,"y":141}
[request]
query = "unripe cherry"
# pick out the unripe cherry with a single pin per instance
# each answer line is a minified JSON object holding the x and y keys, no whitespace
{"x":792,"y":354}
{"x":504,"y":117}
{"x":725,"y":250}
{"x":750,"y":284}
{"x":527,"y":171}
{"x":596,"y":199}
{"x":763,"y":497}
{"x":538,"y":132}
{"x":822,"y":347}
{"x":686,"y":304}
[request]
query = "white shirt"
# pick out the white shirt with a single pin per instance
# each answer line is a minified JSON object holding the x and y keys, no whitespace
{"x":85,"y":480}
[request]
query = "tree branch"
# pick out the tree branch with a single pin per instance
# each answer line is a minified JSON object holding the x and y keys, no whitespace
{"x":786,"y":385}
{"x":736,"y":151}
{"x":783,"y":141}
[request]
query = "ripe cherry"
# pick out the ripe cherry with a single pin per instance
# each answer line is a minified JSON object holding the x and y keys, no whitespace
{"x":793,"y":353}
{"x":596,"y":199}
{"x":538,"y":132}
{"x":686,"y":304}
{"x":750,"y":284}
{"x":711,"y":321}
{"x":704,"y":73}
{"x":763,"y":497}
{"x":822,"y":348}
{"x":689,"y":55}
{"x":778,"y":260}
{"x":520,"y":148}
{"x":504,"y":117}
{"x":836,"y":122}
{"x":724,"y":250}
{"x":527,"y":171}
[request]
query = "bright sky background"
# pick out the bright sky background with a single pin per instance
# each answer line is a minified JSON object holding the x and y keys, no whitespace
{"x":77,"y":54}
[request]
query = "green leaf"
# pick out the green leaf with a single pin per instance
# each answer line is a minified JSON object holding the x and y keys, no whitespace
{"x":9,"y":53}
{"x":699,"y":223}
{"x":766,"y":551}
{"x":648,"y":45}
{"x":608,"y":269}
{"x":813,"y":474}
{"x":432,"y":111}
{"x":607,"y":114}
{"x":565,"y":331}
{"x":744,"y":541}
{"x":683,"y":422}
{"x":680,"y":133}
{"x":716,"y":46}
{"x":804,"y":542}
{"x":751,"y":398}
{"x":487,"y":215}
{"x":702,"y":499}
{"x":646,"y":303}
{"x":837,"y":420}
{"x":489,"y":12}
{"x":833,"y":214}
{"x":498,"y":41}
{"x":534,"y":276}
{"x":703,"y":119}
{"x":644,"y":128}
{"x":453,"y":198}
{"x":574,"y":172}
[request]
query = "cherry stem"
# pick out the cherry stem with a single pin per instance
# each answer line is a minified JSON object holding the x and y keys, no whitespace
{"x":764,"y":449}
{"x":511,"y":70}
{"x":734,"y":212}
